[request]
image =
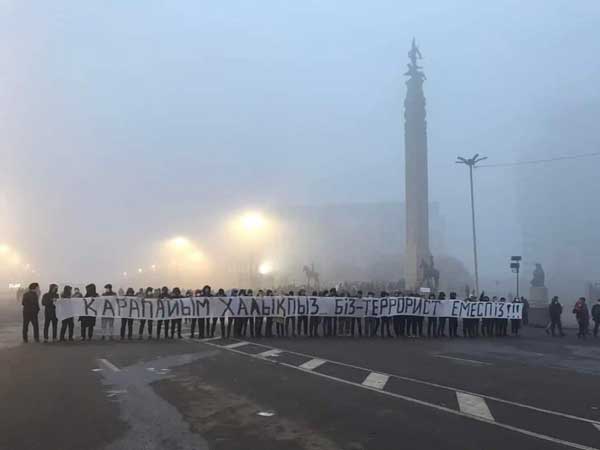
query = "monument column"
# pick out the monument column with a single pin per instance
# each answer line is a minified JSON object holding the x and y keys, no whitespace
{"x":418,"y":254}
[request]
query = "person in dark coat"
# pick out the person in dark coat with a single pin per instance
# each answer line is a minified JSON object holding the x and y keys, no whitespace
{"x":48,"y":300}
{"x":31,"y":308}
{"x":88,"y":322}
{"x":127,"y":323}
{"x":596,"y":317}
{"x":67,"y":324}
{"x":441,"y":330}
{"x":148,"y":294}
{"x":164,"y":294}
{"x":515,"y":324}
{"x":453,"y":321}
{"x":432,"y":322}
{"x":176,"y":323}
{"x":582,"y":315}
{"x":555,"y":310}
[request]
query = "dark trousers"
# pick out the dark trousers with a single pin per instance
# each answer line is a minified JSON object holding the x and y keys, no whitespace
{"x":290,"y":321}
{"x":67,"y":324}
{"x":596,"y":327}
{"x":176,"y":323}
{"x":453,"y":327}
{"x":432,"y":325}
{"x":87,"y":327}
{"x":142,"y":324}
{"x":583,"y":328}
{"x":313,"y":326}
{"x":419,"y":325}
{"x":160,"y":325}
{"x":556,"y":323}
{"x":385,"y":327}
{"x":258,"y":323}
{"x":50,"y":319}
{"x":515,"y":324}
{"x":354,"y":322}
{"x":441,"y":330}
{"x":126,"y":323}
{"x":303,"y":325}
{"x":31,"y":318}
{"x":410,"y":320}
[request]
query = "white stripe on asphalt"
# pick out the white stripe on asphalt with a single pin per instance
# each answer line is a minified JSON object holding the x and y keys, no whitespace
{"x":449,"y":388}
{"x":376,"y":380}
{"x":471,"y":404}
{"x":422,"y":402}
{"x":210,"y":339}
{"x":269,"y":353}
{"x":471,"y":361}
{"x":312,"y":364}
{"x":597,"y":425}
{"x":110,"y":365}
{"x":236,"y":344}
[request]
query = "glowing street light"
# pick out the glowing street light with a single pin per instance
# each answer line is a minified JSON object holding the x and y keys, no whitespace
{"x":252,"y":221}
{"x":180,"y":242}
{"x":4,"y":249}
{"x":140,"y":270}
{"x":125,"y":274}
{"x":265,"y":268}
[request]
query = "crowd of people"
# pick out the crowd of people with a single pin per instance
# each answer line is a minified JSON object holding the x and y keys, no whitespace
{"x":301,"y":325}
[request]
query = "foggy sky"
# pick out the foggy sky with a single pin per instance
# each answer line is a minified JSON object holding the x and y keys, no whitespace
{"x":123,"y":123}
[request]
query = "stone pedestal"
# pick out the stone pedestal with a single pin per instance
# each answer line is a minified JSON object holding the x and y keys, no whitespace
{"x":538,"y":306}
{"x":538,"y":297}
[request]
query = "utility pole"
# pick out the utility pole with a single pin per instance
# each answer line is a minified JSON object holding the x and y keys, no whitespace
{"x":471,"y":162}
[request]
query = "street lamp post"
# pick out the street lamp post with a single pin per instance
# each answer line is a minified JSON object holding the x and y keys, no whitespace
{"x":471,"y":162}
{"x":515,"y":266}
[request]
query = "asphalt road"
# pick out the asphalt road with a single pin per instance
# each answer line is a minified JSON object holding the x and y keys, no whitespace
{"x":525,"y":393}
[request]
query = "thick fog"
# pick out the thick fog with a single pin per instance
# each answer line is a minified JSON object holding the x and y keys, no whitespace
{"x":141,"y":134}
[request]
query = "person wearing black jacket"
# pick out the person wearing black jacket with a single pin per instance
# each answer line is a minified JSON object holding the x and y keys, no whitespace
{"x":596,"y":317}
{"x":441,"y":330}
{"x":176,"y":323}
{"x":48,"y":300}
{"x":66,"y":324}
{"x":555,"y":310}
{"x":31,"y":308}
{"x":164,"y":294}
{"x":88,"y":322}
{"x":148,"y":294}
{"x":127,"y":323}
{"x":453,"y":321}
{"x":432,"y":322}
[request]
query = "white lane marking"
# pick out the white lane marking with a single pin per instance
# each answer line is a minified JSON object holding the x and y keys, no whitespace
{"x":376,"y":380}
{"x":269,"y":353}
{"x":236,"y":344}
{"x":423,"y":403}
{"x":597,"y":425}
{"x":449,"y":388}
{"x":110,"y":365}
{"x":312,"y":364}
{"x":210,"y":339}
{"x":471,"y":404}
{"x":470,"y":361}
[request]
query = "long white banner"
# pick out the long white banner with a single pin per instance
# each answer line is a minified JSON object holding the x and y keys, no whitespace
{"x":280,"y":306}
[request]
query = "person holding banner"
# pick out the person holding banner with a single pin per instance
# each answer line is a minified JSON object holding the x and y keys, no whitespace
{"x":176,"y":323}
{"x":441,"y":331}
{"x":453,"y":321}
{"x":127,"y":323}
{"x":31,"y":308}
{"x":164,"y":294}
{"x":357,"y":321}
{"x":148,"y":294}
{"x":515,"y":324}
{"x":48,"y":300}
{"x":432,"y":322}
{"x":88,"y":322}
{"x":107,"y":324}
{"x":66,"y":324}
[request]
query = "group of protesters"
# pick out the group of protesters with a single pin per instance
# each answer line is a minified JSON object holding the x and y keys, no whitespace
{"x":255,"y":326}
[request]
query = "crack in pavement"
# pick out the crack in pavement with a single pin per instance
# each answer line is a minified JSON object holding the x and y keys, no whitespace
{"x":154,"y":424}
